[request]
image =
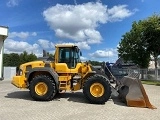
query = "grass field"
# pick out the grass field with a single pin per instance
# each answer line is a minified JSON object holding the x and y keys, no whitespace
{"x":151,"y":82}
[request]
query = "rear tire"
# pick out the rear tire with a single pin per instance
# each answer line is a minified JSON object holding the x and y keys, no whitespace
{"x":42,"y":88}
{"x":97,"y":89}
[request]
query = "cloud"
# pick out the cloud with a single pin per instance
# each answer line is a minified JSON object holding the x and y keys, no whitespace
{"x":34,"y":34}
{"x":12,"y":46}
{"x":21,"y":35}
{"x":12,"y":3}
{"x":118,"y":13}
{"x":75,"y":21}
{"x":81,"y":45}
{"x":83,"y":59}
{"x":104,"y":53}
{"x":79,"y":22}
{"x":45,"y":44}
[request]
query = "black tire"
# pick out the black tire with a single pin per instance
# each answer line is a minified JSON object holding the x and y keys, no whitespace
{"x":51,"y":88}
{"x":97,"y":79}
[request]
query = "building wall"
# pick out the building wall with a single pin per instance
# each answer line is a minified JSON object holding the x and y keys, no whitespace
{"x":1,"y":57}
{"x":9,"y":72}
{"x":3,"y":36}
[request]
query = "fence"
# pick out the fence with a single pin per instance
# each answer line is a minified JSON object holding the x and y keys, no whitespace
{"x":145,"y":74}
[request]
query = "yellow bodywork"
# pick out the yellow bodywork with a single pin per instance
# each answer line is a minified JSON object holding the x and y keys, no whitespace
{"x":41,"y":88}
{"x":20,"y":80}
{"x":65,"y":74}
{"x":97,"y":90}
{"x":72,"y":76}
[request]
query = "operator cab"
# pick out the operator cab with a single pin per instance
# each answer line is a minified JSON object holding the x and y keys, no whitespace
{"x":70,"y":56}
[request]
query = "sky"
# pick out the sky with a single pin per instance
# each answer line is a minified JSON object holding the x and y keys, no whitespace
{"x":95,"y":26}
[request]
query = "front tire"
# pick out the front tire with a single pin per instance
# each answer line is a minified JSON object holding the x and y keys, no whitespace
{"x":97,"y":89}
{"x":42,"y":88}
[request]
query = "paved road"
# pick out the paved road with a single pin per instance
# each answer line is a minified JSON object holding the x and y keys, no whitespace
{"x":16,"y":104}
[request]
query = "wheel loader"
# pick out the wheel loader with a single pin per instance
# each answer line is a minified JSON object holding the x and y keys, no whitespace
{"x":66,"y":72}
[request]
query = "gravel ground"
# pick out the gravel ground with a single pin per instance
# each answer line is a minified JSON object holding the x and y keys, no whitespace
{"x":16,"y":104}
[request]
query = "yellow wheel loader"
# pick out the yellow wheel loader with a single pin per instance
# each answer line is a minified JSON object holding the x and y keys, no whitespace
{"x":66,"y":72}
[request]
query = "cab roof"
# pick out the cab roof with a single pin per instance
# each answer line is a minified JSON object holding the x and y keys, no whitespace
{"x":65,"y":45}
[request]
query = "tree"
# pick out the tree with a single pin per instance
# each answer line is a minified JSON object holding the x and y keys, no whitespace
{"x":95,"y":63}
{"x":159,"y":61}
{"x":142,"y":41}
{"x":23,"y":57}
{"x":133,"y":48}
{"x":152,"y":36}
{"x":6,"y":59}
{"x":14,"y":59}
{"x":11,"y":59}
{"x":31,"y":57}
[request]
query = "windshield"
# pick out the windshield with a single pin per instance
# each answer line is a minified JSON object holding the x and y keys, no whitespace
{"x":70,"y":56}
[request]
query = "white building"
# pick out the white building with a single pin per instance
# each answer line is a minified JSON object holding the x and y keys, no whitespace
{"x":152,"y":65}
{"x":3,"y":36}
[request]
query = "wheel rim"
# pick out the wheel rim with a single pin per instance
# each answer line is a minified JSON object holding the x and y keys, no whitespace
{"x":97,"y":90}
{"x":41,"y":88}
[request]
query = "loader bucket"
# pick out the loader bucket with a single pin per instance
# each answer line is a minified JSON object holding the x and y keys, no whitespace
{"x":132,"y":92}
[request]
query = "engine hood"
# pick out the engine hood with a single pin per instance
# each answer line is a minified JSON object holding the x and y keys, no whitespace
{"x":33,"y":64}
